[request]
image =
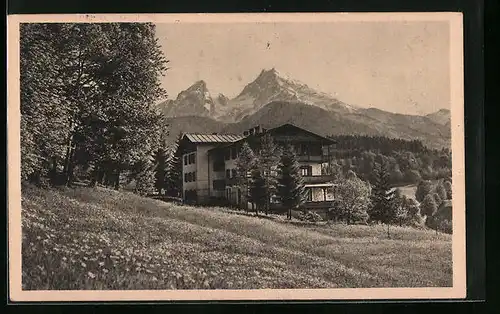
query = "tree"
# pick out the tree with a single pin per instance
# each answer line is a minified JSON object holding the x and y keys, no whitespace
{"x":441,"y":191}
{"x":412,"y":176}
{"x":352,"y":200}
{"x":382,"y":196}
{"x":437,"y":199}
{"x":428,"y":206}
{"x":244,"y":163}
{"x":269,"y":155}
{"x":160,"y":168}
{"x":424,"y":187}
{"x":257,"y":190}
{"x":400,"y":210}
{"x":448,"y":188}
{"x":88,"y":92}
{"x":145,"y":178}
{"x":173,"y":172}
{"x":413,"y":216}
{"x":291,"y":190}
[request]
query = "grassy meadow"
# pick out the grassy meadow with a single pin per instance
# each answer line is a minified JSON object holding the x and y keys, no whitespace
{"x":99,"y":238}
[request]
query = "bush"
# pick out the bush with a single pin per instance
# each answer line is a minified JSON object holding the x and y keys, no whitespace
{"x":310,"y":216}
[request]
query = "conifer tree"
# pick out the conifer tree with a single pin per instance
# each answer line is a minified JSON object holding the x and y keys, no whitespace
{"x":244,"y":163}
{"x":257,"y":189}
{"x":291,"y":190}
{"x":268,"y":158}
{"x":173,"y":172}
{"x":160,"y":158}
{"x":383,"y":209}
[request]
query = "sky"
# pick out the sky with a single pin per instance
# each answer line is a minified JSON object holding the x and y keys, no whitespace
{"x":397,"y":66}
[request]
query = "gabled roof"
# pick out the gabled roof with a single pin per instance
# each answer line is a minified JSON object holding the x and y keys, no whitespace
{"x":286,"y":125}
{"x":213,"y":138}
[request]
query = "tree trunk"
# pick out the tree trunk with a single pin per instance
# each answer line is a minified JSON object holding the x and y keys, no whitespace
{"x":69,"y":174}
{"x":388,"y":234}
{"x":100,"y":176}
{"x":117,"y":180}
{"x":53,"y":171}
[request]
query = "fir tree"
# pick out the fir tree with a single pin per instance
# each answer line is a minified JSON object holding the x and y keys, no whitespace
{"x":268,"y":158}
{"x":257,"y":190}
{"x":173,"y":172}
{"x":160,"y":158}
{"x":244,"y":163}
{"x":382,"y":196}
{"x":291,"y":190}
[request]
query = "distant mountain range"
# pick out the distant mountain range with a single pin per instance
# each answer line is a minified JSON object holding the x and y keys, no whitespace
{"x":273,"y":99}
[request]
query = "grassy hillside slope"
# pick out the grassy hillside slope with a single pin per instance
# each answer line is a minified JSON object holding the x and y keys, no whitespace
{"x":103,"y":239}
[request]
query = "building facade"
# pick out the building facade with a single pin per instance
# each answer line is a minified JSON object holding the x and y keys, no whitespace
{"x":209,"y":165}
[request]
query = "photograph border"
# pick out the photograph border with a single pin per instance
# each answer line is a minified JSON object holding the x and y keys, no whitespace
{"x":458,"y":291}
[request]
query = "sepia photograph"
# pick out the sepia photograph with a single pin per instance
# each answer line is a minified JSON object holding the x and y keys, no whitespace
{"x":236,"y":156}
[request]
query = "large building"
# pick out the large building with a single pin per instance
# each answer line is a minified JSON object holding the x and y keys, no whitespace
{"x":209,"y":169}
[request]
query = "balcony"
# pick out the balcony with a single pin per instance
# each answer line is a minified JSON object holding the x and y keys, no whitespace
{"x":318,"y":179}
{"x":316,"y":158}
{"x":322,"y":205}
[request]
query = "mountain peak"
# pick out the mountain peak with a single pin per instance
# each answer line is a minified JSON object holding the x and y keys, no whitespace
{"x":201,"y":84}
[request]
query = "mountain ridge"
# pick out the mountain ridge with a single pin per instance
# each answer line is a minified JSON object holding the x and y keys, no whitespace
{"x":273,"y":98}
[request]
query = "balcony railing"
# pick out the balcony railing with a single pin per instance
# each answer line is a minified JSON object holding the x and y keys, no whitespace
{"x":317,"y":205}
{"x":317,"y":158}
{"x":307,"y":179}
{"x":318,"y":179}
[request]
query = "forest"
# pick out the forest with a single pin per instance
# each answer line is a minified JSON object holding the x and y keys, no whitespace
{"x":88,"y":96}
{"x":409,"y":162}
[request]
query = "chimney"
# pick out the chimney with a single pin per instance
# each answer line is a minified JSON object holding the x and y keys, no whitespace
{"x":246,"y":133}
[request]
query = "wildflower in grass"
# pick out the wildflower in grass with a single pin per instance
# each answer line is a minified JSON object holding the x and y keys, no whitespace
{"x":83,"y":264}
{"x":91,"y":275}
{"x":104,"y":270}
{"x":101,"y":264}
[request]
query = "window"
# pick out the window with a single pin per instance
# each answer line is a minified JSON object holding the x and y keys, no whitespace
{"x":191,"y":158}
{"x":185,"y":177}
{"x":194,"y":176}
{"x":228,"y":174}
{"x":227,"y":154}
{"x":306,"y":171}
{"x":234,"y":173}
{"x":185,"y":160}
{"x":219,"y":185}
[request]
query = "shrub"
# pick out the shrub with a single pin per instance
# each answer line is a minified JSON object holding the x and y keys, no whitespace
{"x":310,"y":216}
